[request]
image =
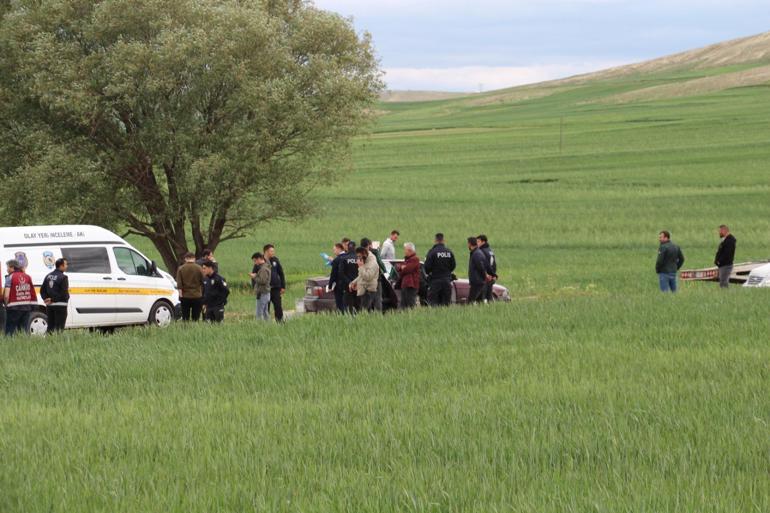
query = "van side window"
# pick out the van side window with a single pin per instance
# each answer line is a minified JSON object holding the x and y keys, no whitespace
{"x":87,"y":260}
{"x":131,"y":262}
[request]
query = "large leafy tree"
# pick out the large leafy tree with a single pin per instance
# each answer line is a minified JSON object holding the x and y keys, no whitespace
{"x":186,"y":121}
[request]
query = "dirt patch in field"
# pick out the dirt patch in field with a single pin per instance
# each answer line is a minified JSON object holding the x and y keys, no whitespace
{"x":699,"y":86}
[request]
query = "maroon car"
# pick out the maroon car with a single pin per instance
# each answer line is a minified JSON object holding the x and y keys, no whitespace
{"x":318,"y":299}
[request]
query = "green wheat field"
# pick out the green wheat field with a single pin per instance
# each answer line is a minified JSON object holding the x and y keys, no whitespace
{"x":589,"y":392}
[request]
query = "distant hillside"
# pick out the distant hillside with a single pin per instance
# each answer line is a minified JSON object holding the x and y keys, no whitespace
{"x":418,"y":96}
{"x":736,"y":63}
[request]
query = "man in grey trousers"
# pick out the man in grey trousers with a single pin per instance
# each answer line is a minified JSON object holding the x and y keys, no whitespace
{"x":725,"y":257}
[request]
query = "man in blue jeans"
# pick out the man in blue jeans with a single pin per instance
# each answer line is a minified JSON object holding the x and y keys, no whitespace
{"x":670,"y":260}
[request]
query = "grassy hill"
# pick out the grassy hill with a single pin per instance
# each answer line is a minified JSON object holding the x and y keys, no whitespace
{"x":590,"y":392}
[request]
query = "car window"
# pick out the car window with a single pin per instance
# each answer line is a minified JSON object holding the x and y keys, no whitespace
{"x":87,"y":260}
{"x":131,"y":262}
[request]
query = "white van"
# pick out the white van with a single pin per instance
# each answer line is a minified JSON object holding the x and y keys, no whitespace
{"x":111,"y":283}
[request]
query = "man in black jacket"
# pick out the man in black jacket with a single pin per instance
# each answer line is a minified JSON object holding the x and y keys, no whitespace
{"x":483,"y":243}
{"x":347,"y":272}
{"x":277,"y":281}
{"x":477,"y":272}
{"x":334,"y":278}
{"x":439,"y":266}
{"x":670,"y":260}
{"x":725,"y":257}
{"x":215,"y":293}
{"x":55,"y":293}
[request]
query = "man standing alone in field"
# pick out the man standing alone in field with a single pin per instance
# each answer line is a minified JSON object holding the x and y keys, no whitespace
{"x":670,"y":260}
{"x":725,"y":257}
{"x":189,"y":281}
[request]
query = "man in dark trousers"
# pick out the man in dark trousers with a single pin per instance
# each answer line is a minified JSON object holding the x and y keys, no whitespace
{"x":189,"y":281}
{"x":725,"y":257}
{"x":19,"y":296}
{"x":347,"y":272}
{"x":439,"y":266}
{"x":483,"y":243}
{"x":670,"y":260}
{"x":334,"y":278}
{"x":477,"y":272}
{"x":215,"y":293}
{"x":55,"y":292}
{"x":277,"y":281}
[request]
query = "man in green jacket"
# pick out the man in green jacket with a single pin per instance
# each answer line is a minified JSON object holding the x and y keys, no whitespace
{"x":262,"y":285}
{"x":670,"y":260}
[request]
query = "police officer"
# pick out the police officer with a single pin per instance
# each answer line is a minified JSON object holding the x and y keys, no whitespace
{"x":439,"y":265}
{"x":277,"y":281}
{"x":55,"y":292}
{"x":347,"y":272}
{"x":483,"y":243}
{"x":215,"y":293}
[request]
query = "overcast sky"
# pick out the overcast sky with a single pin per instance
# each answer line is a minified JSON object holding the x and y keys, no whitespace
{"x":465,"y":45}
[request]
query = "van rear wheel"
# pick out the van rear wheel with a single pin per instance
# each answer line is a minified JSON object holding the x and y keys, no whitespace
{"x":161,"y":314}
{"x":37,"y":325}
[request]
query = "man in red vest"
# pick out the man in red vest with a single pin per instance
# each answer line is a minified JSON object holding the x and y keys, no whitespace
{"x":19,"y":296}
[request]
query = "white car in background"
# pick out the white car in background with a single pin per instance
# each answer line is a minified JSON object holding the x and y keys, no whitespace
{"x":759,"y":277}
{"x":111,"y":283}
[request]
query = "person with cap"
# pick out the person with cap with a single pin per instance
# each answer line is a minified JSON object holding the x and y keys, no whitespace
{"x":409,"y":277}
{"x":189,"y":282}
{"x":277,"y":281}
{"x":388,"y":251}
{"x":262,"y":287}
{"x":725,"y":257}
{"x":55,"y":293}
{"x":215,"y":293}
{"x":477,"y":272}
{"x":19,"y":297}
{"x":439,"y":265}
{"x":483,"y":244}
{"x":670,"y":260}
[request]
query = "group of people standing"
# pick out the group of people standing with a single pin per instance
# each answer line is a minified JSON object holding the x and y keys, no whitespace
{"x":358,"y":271}
{"x":671,"y":259}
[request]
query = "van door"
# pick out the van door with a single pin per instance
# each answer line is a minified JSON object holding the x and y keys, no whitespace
{"x":139,"y":286}
{"x":92,"y":294}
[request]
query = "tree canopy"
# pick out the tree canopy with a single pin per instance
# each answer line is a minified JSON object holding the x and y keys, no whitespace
{"x":184,"y":121}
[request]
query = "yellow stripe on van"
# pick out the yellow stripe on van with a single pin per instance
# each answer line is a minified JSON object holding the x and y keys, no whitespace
{"x":118,"y":291}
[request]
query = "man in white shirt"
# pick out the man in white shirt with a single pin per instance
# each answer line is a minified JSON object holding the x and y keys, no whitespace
{"x":388,"y":251}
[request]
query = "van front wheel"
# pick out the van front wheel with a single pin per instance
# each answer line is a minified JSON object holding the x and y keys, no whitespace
{"x":161,"y":314}
{"x":38,"y":324}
